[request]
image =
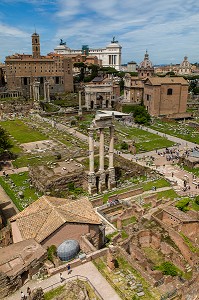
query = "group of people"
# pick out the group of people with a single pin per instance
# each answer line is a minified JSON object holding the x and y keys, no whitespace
{"x":23,"y":296}
{"x":26,"y":297}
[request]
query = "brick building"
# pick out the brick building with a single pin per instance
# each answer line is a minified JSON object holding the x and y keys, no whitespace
{"x":133,"y":89}
{"x":22,"y":70}
{"x":51,"y":221}
{"x":165,"y":95}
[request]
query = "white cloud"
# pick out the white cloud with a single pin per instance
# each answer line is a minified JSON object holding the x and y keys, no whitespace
{"x":168,"y":29}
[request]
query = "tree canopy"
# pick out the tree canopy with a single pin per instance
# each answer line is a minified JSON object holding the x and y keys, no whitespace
{"x":5,"y":143}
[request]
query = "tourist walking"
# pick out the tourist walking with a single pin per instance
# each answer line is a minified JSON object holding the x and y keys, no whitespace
{"x":23,"y":297}
{"x":68,"y":268}
{"x":61,"y":277}
{"x":28,"y":291}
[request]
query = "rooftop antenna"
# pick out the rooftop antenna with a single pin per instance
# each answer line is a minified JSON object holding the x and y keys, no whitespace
{"x":35,"y":28}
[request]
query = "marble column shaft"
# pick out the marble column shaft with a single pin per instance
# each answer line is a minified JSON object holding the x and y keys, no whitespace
{"x":111,"y":147}
{"x":101,"y":150}
{"x":91,"y":152}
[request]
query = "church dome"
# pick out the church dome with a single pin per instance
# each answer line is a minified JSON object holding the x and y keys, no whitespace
{"x":146,"y":63}
{"x":68,"y":250}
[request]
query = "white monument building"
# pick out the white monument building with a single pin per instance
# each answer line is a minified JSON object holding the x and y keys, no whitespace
{"x":110,"y":55}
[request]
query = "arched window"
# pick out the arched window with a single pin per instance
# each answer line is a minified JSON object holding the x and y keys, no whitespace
{"x":169,"y":92}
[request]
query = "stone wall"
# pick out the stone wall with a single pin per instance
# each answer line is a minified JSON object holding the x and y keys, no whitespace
{"x":79,"y":262}
{"x":191,"y":230}
{"x":97,"y":202}
{"x":85,"y":245}
{"x":74,"y":231}
{"x":44,"y":182}
{"x":128,"y":194}
{"x":131,"y":261}
{"x":5,"y":236}
{"x":9,"y":285}
{"x":190,"y":257}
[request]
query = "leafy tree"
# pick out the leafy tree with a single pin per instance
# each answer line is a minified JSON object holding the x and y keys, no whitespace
{"x":124,"y":146}
{"x":140,"y":114}
{"x":5,"y":143}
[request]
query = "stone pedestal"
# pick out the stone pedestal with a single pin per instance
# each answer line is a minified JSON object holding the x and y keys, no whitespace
{"x":102,"y":185}
{"x":111,"y":179}
{"x":92,"y":189}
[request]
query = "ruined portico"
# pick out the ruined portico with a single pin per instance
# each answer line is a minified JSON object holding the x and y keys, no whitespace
{"x":102,"y":179}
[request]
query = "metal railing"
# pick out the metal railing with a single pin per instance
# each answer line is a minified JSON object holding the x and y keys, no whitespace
{"x":75,"y":277}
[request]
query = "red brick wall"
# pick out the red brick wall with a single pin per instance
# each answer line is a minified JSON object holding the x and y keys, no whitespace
{"x":69,"y":231}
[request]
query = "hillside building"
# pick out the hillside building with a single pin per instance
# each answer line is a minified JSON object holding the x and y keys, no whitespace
{"x":23,"y":70}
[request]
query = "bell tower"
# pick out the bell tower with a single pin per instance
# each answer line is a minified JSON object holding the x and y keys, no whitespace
{"x":35,"y":45}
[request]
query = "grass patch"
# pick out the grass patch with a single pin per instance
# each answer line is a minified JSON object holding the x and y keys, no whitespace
{"x":121,"y":287}
{"x":144,"y":140}
{"x":30,"y":160}
{"x":54,"y":293}
{"x":16,"y":183}
{"x":21,"y":132}
{"x":124,"y":234}
{"x":190,"y":244}
{"x":157,"y":183}
{"x":168,"y":268}
{"x":129,"y":221}
{"x":11,"y":194}
{"x":155,"y":256}
{"x":169,"y":194}
{"x":178,"y":129}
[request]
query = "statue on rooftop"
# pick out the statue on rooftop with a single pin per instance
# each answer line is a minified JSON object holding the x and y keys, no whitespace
{"x":114,"y":41}
{"x":62,"y":43}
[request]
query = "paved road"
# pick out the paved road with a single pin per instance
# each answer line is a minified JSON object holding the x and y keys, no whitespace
{"x":88,"y":270}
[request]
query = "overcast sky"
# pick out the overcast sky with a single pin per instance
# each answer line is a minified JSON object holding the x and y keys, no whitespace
{"x":168,"y":29}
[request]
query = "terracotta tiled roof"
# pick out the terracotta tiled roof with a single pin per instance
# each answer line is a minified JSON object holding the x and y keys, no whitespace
{"x":47,"y":214}
{"x":166,"y":80}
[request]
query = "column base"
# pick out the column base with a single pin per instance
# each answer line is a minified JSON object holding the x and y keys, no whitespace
{"x":92,"y":188}
{"x":111,"y":179}
{"x":102,"y":183}
{"x":80,"y":112}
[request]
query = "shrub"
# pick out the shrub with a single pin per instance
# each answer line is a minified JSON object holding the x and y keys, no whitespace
{"x":197,"y":200}
{"x":168,"y":268}
{"x":124,"y":146}
{"x":51,"y":251}
{"x":183,"y":204}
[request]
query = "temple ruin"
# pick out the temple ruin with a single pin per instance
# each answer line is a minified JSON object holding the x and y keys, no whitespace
{"x":102,"y":179}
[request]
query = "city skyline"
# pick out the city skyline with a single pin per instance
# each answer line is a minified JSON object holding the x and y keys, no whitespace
{"x":168,"y":30}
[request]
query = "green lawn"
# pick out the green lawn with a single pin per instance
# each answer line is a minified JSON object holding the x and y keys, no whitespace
{"x":54,"y":293}
{"x":16,"y":183}
{"x":159,"y":183}
{"x":23,"y":160}
{"x":144,"y":140}
{"x":169,"y":194}
{"x":21,"y":132}
{"x":178,"y":129}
